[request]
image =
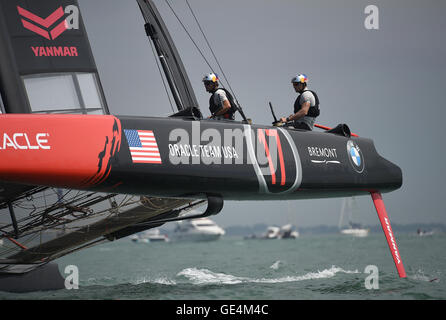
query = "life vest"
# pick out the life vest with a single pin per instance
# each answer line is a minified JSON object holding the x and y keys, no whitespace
{"x":313,"y":111}
{"x":214,"y":108}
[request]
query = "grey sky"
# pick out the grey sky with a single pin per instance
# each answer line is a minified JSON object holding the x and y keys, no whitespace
{"x":386,"y":84}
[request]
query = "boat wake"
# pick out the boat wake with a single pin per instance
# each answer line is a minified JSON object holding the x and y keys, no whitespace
{"x":205,"y":276}
{"x":421,"y":276}
{"x":159,"y":280}
{"x":276,"y":265}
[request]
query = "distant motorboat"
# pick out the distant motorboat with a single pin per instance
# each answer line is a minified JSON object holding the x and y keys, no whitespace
{"x":203,"y":229}
{"x":424,"y":233}
{"x":137,"y":239}
{"x":354,"y":229}
{"x":152,"y":235}
{"x":287,"y":232}
{"x":272,"y":232}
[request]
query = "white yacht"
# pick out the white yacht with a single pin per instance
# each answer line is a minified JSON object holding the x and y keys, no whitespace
{"x":288,"y":232}
{"x":285,"y":232}
{"x":354,"y":229}
{"x":203,"y":229}
{"x":152,"y":235}
{"x":272,"y":233}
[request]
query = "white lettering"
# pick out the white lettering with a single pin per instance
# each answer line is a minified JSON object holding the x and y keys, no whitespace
{"x":21,"y":141}
{"x":186,"y":310}
{"x":29,"y":145}
{"x":40,"y":141}
{"x":7,"y":142}
{"x":15,"y":140}
{"x":171,"y":150}
{"x":209,"y":147}
{"x":212,"y":138}
{"x":181,"y":136}
{"x":234,"y":153}
{"x":205,"y":151}
{"x":322,"y":152}
{"x":233,"y":309}
{"x":392,"y":240}
{"x":235,"y":138}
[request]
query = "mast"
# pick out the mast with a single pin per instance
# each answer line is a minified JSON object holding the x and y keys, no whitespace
{"x":173,"y":68}
{"x":341,"y":217}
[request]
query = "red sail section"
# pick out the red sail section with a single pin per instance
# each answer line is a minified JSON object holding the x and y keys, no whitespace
{"x":71,"y":151}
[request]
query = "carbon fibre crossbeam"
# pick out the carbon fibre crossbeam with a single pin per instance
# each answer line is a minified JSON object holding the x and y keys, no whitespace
{"x":215,"y":205}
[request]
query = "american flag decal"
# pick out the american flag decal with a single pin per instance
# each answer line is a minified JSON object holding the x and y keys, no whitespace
{"x":143,"y":146}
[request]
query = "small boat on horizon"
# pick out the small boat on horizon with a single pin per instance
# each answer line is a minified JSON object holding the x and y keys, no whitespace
{"x":288,"y":232}
{"x":152,"y":235}
{"x":354,"y":229}
{"x":424,"y":233}
{"x":273,"y":232}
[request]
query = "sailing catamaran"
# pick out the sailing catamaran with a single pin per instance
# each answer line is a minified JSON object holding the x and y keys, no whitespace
{"x":120,"y":175}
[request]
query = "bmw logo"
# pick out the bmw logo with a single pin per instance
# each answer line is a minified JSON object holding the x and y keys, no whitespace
{"x":355,"y":156}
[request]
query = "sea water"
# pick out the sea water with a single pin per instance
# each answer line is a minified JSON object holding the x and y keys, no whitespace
{"x":309,"y":267}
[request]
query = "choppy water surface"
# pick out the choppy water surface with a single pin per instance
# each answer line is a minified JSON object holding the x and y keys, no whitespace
{"x":310,"y":267}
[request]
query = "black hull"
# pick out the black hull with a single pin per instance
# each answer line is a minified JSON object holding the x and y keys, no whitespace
{"x":315,"y":164}
{"x":193,"y":159}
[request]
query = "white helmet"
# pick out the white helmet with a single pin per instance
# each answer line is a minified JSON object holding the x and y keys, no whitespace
{"x":300,"y":78}
{"x":211,"y":77}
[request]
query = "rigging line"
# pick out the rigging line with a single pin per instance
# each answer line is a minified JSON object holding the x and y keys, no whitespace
{"x":124,"y":199}
{"x":36,"y":215}
{"x":36,"y":224}
{"x":161,"y":74}
{"x":210,"y":47}
{"x":190,"y":37}
{"x":238,"y":106}
{"x":128,"y":200}
{"x":43,"y":197}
